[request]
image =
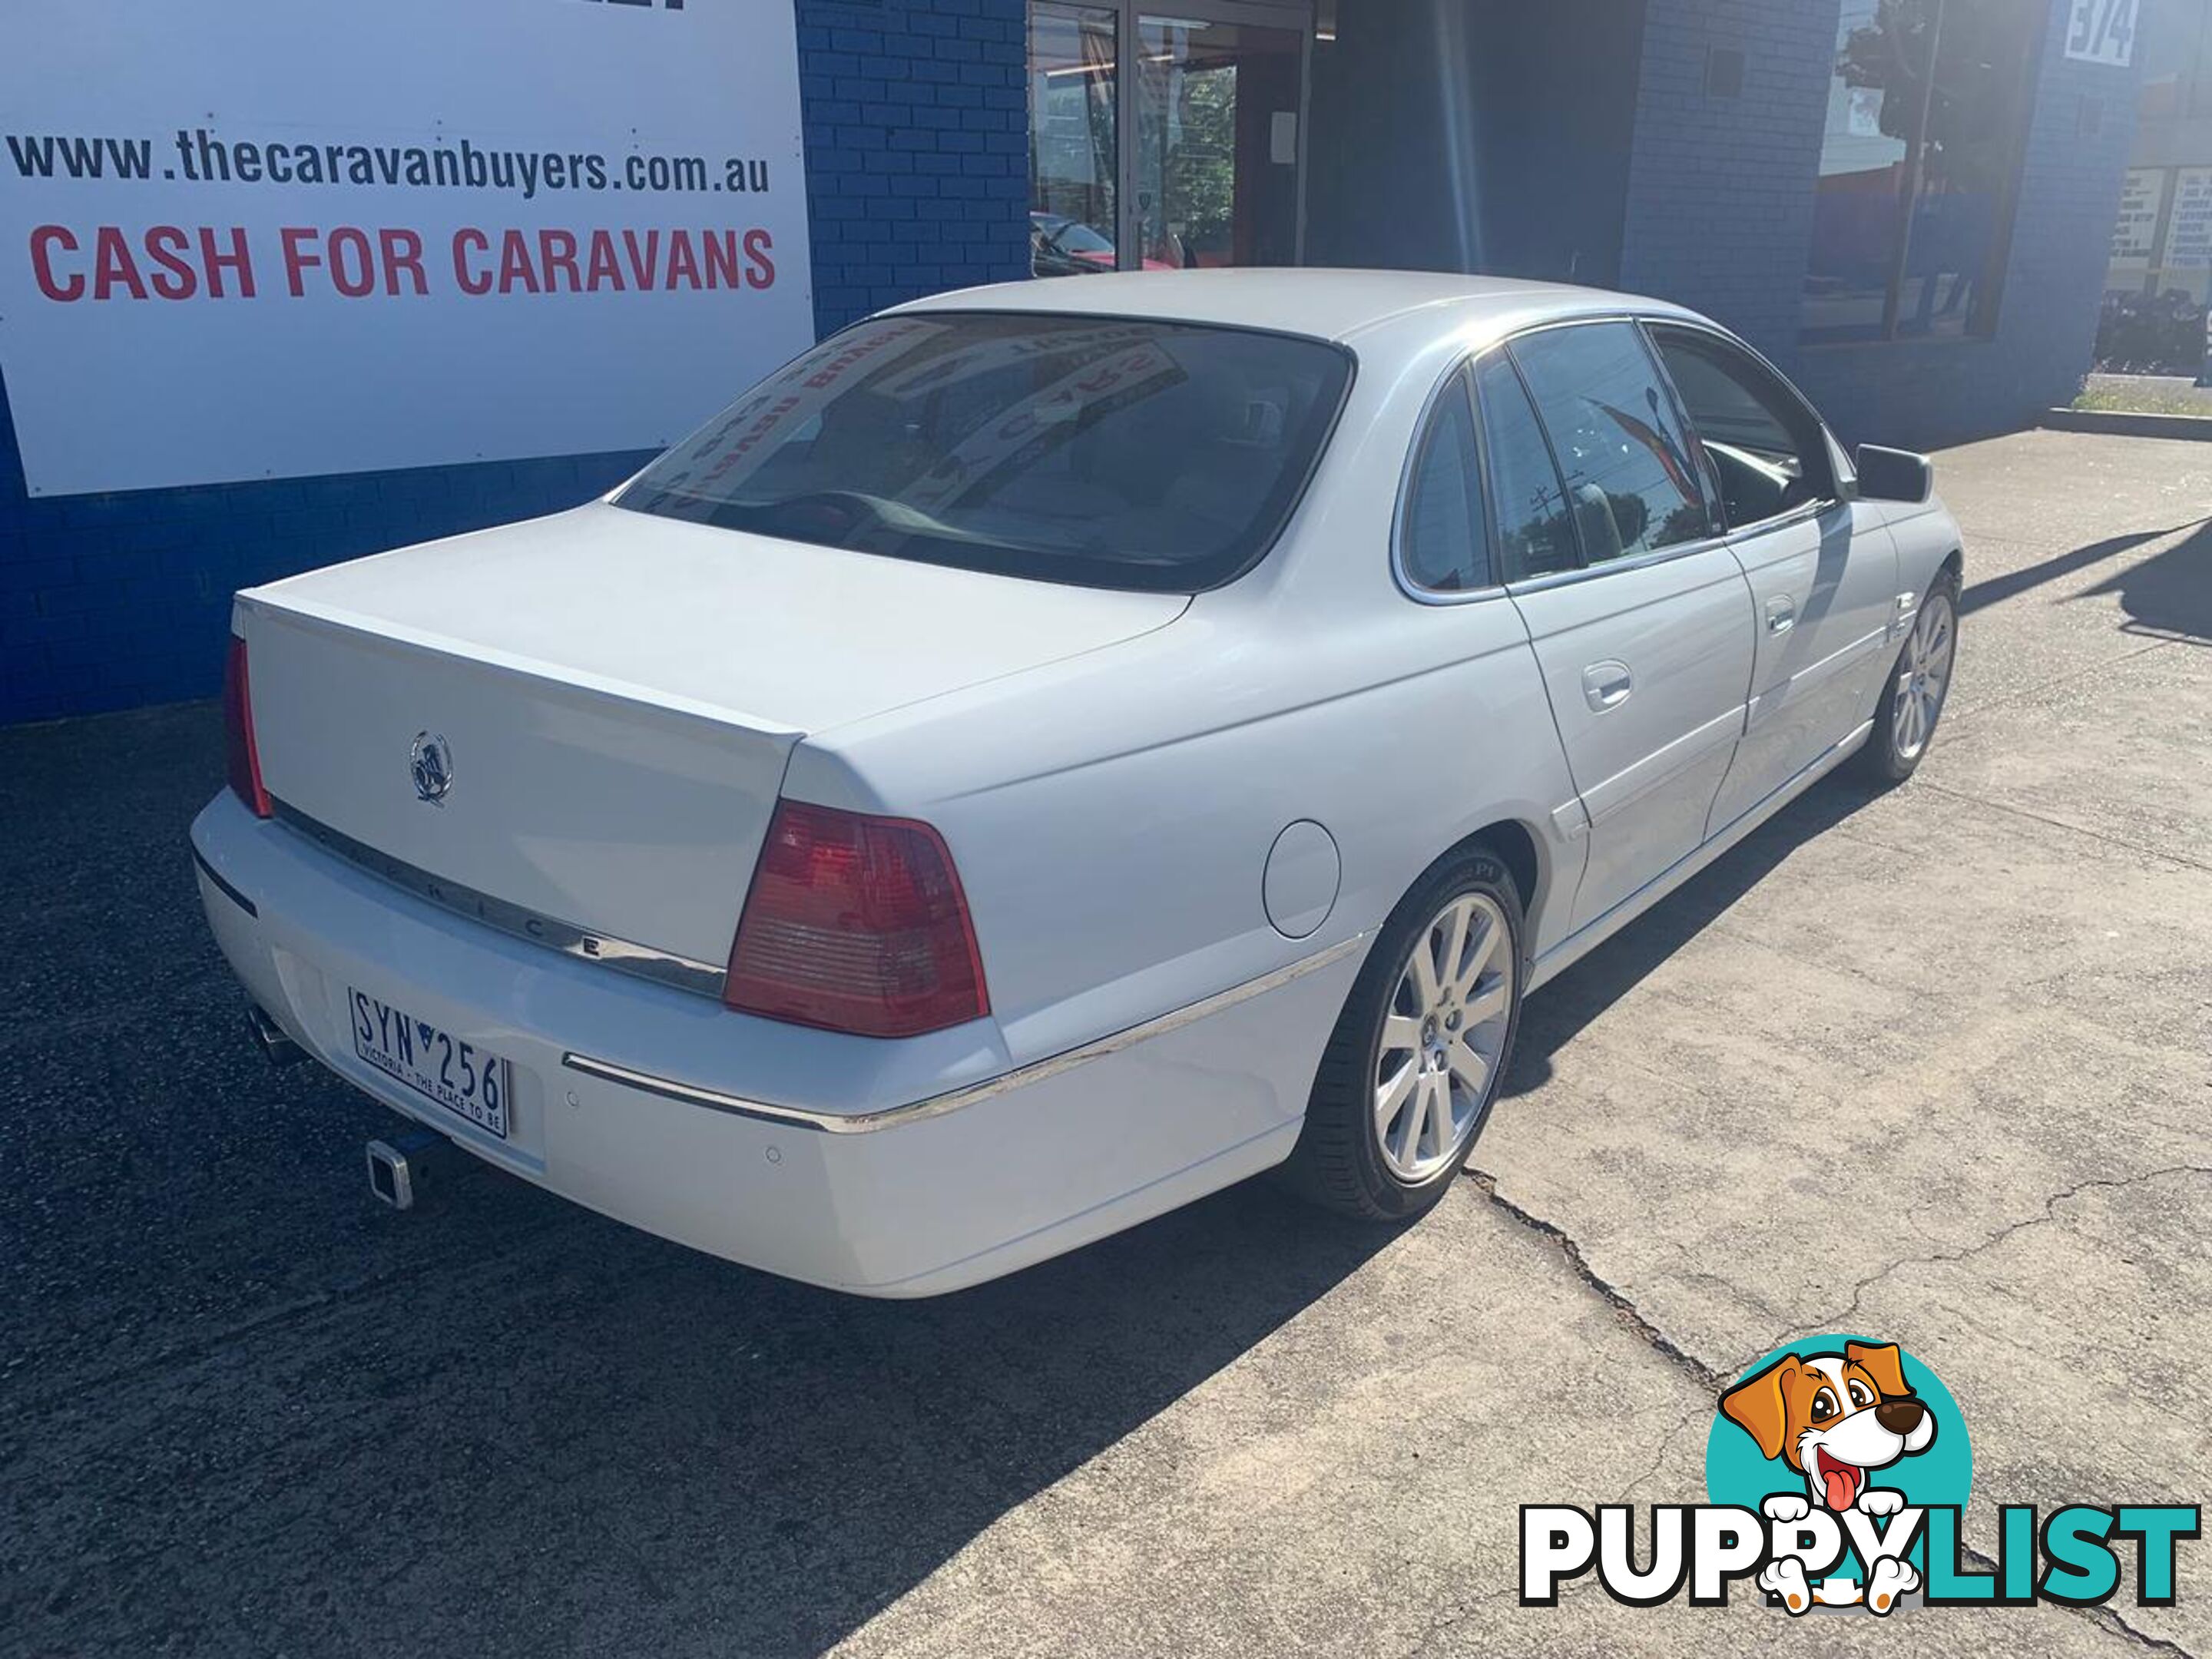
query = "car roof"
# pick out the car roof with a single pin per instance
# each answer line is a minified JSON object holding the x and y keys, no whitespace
{"x":1332,"y":304}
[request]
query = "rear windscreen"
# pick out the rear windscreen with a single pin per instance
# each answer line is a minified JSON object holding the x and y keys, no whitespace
{"x":1111,"y":454}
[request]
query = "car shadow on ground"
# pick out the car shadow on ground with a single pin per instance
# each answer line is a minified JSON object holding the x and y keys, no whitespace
{"x":242,"y":1405}
{"x":713,"y":1450}
{"x":1554,"y":1016}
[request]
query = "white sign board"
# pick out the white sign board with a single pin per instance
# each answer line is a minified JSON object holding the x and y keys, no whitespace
{"x":2142,"y":198}
{"x":2189,"y":231}
{"x":2102,"y":32}
{"x":254,"y":239}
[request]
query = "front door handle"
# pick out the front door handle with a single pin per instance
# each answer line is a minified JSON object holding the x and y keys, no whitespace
{"x":1606,"y":685}
{"x":1781,"y":614}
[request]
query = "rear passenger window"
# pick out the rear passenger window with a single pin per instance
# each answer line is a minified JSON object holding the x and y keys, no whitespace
{"x":1629,"y":471}
{"x":1529,"y":506}
{"x":1442,"y":542}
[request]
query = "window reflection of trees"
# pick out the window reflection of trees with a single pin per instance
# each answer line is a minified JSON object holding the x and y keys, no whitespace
{"x":1918,"y":230}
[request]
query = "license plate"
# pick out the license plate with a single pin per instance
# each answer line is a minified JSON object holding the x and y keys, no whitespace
{"x":459,"y":1076}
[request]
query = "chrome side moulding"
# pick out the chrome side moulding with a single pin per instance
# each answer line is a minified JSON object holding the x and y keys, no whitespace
{"x":848,"y":1123}
{"x":663,"y":967}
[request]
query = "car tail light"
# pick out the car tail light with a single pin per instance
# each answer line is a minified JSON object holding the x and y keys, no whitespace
{"x":238,"y":729}
{"x":856,"y":924}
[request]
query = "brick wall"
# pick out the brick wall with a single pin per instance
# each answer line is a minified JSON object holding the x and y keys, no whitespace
{"x":915,"y":121}
{"x":1720,"y":189}
{"x":917,"y":148}
{"x":1719,"y":216}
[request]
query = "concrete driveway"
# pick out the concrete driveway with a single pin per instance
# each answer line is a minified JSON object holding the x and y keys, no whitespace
{"x":1935,"y":1066}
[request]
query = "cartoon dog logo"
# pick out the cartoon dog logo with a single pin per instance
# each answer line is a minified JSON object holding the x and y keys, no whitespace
{"x":1834,"y":1418}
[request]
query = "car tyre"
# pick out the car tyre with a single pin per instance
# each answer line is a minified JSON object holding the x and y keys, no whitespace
{"x":1919,"y":683}
{"x":1412,"y":1067}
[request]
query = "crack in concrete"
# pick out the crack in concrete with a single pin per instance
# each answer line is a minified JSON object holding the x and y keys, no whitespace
{"x":1630,"y":1315}
{"x":1580,"y":1583}
{"x":2106,"y":1618}
{"x":2135,"y":848}
{"x":1665,"y":1445}
{"x":2050,"y":1213}
{"x":1656,"y":1339}
{"x":2103,"y":1616}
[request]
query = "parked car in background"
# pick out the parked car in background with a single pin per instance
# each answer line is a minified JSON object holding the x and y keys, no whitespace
{"x":1060,"y":246}
{"x":1053,"y":752}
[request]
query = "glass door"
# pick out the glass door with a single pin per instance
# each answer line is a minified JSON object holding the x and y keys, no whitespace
{"x":1161,"y":142}
{"x":1217,"y":150}
{"x":1074,"y":164}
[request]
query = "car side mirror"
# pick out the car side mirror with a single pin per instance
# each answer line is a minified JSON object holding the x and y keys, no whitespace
{"x":1894,"y":475}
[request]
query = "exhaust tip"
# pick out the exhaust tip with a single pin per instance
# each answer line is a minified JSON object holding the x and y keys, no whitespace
{"x":270,"y":1037}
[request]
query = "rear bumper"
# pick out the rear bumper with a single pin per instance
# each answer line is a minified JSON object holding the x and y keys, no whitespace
{"x":887,"y":1173}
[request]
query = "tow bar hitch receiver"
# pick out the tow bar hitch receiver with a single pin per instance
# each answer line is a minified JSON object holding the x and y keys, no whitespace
{"x":389,"y":1176}
{"x":400,"y":1169}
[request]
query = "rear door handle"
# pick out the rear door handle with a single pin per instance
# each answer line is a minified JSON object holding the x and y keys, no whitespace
{"x":1606,"y":685}
{"x":1781,"y":614}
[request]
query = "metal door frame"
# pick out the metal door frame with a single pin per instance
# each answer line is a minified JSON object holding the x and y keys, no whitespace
{"x":1293,"y":15}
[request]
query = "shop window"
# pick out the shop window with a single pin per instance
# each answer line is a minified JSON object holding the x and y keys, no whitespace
{"x":1072,"y":153}
{"x":1912,"y":213}
{"x":2176,"y":50}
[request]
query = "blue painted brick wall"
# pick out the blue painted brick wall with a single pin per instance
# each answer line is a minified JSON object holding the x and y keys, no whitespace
{"x":1720,"y":190}
{"x":916,"y":131}
{"x":917,"y":148}
{"x":1719,"y":216}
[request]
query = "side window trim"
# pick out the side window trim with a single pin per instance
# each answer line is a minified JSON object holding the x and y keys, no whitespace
{"x":1458,"y":377}
{"x":1504,"y":348}
{"x":1708,"y":477}
{"x":1828,"y":445}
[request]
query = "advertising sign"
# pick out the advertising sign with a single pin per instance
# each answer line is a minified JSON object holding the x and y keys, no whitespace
{"x":2189,"y":231}
{"x":250,"y":239}
{"x":2136,"y":228}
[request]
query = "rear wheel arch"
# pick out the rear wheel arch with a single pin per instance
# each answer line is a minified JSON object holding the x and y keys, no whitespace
{"x":1393,"y":1113}
{"x":1516,"y":846}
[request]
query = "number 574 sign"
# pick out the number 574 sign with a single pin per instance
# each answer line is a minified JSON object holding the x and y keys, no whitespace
{"x":2102,"y":32}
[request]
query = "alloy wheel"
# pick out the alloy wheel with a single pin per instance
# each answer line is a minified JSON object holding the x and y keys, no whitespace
{"x":1924,"y":675}
{"x":1443,"y":1035}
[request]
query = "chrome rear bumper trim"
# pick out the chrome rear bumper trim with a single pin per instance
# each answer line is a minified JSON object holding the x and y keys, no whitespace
{"x":662,"y":966}
{"x":848,"y":1123}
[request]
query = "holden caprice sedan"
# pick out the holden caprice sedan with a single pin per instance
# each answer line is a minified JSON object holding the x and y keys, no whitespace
{"x":1044,"y":756}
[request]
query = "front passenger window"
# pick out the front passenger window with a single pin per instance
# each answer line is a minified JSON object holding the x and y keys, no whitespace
{"x":1766,"y":447}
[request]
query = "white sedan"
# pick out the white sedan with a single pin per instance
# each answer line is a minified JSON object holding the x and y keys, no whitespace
{"x":1046,"y":755}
